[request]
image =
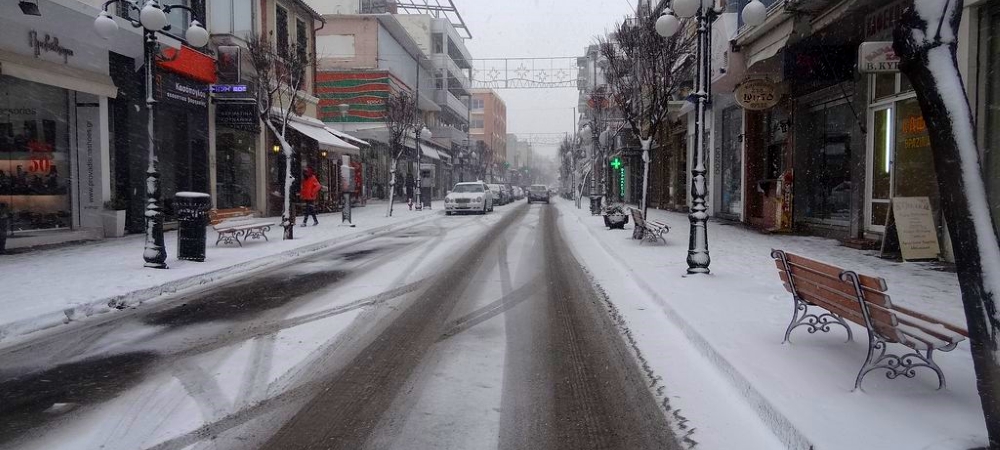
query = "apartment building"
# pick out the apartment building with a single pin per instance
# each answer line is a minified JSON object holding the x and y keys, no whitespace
{"x":488,"y":125}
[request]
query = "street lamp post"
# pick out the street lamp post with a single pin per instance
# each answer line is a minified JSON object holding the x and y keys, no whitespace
{"x":152,"y":19}
{"x":420,"y":129}
{"x":705,"y":12}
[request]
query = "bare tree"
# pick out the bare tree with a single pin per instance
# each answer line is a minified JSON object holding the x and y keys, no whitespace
{"x":644,"y":70}
{"x":280,"y":72}
{"x":400,"y":118}
{"x":925,"y":39}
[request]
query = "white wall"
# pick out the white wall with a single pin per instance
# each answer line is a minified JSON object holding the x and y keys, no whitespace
{"x":394,"y":58}
{"x":334,"y":6}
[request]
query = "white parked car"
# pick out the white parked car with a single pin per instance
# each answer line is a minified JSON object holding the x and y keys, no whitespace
{"x":472,"y":196}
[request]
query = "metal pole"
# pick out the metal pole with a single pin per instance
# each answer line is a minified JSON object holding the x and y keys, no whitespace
{"x":420,"y":126}
{"x":155,"y":252}
{"x":698,"y":258}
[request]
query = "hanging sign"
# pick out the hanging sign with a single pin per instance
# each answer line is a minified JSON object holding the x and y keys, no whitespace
{"x":757,"y":95}
{"x":877,"y":57}
{"x":918,"y":237}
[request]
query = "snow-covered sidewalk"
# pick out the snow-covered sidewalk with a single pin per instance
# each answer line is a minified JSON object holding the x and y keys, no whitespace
{"x":45,"y":288}
{"x":735,"y":319}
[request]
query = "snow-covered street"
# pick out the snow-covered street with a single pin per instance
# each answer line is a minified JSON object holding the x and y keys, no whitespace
{"x":461,"y":332}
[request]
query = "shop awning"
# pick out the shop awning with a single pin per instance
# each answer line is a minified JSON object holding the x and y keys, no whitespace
{"x":430,"y":152}
{"x":60,"y":75}
{"x":770,"y":43}
{"x":325,"y":139}
{"x":347,"y":137}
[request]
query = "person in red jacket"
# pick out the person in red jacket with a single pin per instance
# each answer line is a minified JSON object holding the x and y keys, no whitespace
{"x":308,"y":193}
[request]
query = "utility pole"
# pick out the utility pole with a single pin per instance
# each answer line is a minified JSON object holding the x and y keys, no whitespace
{"x":418,"y":125}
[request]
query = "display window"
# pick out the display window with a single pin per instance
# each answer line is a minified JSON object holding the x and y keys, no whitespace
{"x":236,"y":168}
{"x":34,"y":154}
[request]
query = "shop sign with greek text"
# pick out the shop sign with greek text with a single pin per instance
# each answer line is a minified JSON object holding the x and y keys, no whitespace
{"x":757,"y":95}
{"x":877,"y":57}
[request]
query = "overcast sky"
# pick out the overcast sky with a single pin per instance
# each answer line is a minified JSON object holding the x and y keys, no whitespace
{"x":538,"y":28}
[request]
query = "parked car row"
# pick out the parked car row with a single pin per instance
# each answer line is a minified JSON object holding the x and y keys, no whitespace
{"x":474,"y":196}
{"x":480,"y":197}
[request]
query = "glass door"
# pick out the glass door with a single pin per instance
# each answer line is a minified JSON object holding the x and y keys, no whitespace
{"x":880,"y":160}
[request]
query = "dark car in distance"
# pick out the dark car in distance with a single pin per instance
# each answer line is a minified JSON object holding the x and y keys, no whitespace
{"x":538,"y":193}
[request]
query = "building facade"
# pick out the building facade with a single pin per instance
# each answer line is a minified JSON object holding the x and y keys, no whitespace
{"x":836,"y":146}
{"x":57,"y":165}
{"x":488,"y":125}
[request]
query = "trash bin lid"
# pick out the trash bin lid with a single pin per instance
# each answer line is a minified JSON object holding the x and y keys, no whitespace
{"x":185,"y":194}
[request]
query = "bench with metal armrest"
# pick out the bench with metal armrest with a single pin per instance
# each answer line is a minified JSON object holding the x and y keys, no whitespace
{"x":236,"y":223}
{"x":848,"y":296}
{"x":647,"y":230}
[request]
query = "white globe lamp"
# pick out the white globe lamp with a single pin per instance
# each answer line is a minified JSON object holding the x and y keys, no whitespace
{"x":667,"y":25}
{"x":686,"y":8}
{"x":152,"y":17}
{"x":754,"y":13}
{"x":196,"y":35}
{"x":105,"y":25}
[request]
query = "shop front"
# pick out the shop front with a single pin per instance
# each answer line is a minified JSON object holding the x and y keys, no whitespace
{"x":182,"y":138}
{"x":54,"y":132}
{"x":828,"y":138}
{"x":237,"y":133}
{"x":316,"y":148}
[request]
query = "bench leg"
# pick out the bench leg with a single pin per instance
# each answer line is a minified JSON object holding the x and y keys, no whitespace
{"x":896,"y":365}
{"x":801,"y":316}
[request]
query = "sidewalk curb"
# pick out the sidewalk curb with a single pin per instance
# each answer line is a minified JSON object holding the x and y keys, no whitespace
{"x":779,"y":424}
{"x":21,"y":328}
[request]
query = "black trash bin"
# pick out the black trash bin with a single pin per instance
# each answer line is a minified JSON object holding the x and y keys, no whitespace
{"x":192,"y":217}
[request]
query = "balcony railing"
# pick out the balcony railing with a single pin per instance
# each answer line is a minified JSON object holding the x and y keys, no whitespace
{"x":446,"y":100}
{"x":444,"y":62}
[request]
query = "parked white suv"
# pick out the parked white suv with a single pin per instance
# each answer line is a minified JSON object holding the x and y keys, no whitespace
{"x":472,"y":196}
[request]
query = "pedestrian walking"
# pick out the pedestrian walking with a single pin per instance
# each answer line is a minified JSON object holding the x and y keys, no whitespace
{"x":308,"y":193}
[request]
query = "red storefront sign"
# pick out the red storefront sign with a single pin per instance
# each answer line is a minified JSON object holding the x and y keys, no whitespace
{"x":190,"y":63}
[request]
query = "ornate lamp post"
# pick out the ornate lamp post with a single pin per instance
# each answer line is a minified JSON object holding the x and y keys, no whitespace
{"x":705,"y":12}
{"x":152,"y":19}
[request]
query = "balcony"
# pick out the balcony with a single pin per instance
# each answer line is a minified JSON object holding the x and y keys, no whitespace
{"x":449,"y":102}
{"x":445,"y":63}
{"x":451,"y":134}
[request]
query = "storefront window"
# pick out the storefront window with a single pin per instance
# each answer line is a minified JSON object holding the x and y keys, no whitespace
{"x":34,"y":154}
{"x":914,"y":173}
{"x":236,"y":168}
{"x":731,"y":159}
{"x":880,"y":169}
{"x":828,"y":183}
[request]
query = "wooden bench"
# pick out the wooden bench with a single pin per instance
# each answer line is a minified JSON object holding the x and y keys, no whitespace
{"x":862,"y":299}
{"x":232,"y":224}
{"x":648,"y":230}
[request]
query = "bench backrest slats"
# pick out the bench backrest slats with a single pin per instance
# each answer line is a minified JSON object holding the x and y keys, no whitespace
{"x":821,"y":284}
{"x":873,"y":296}
{"x":217,"y":216}
{"x":637,"y":217}
{"x":872,"y":283}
